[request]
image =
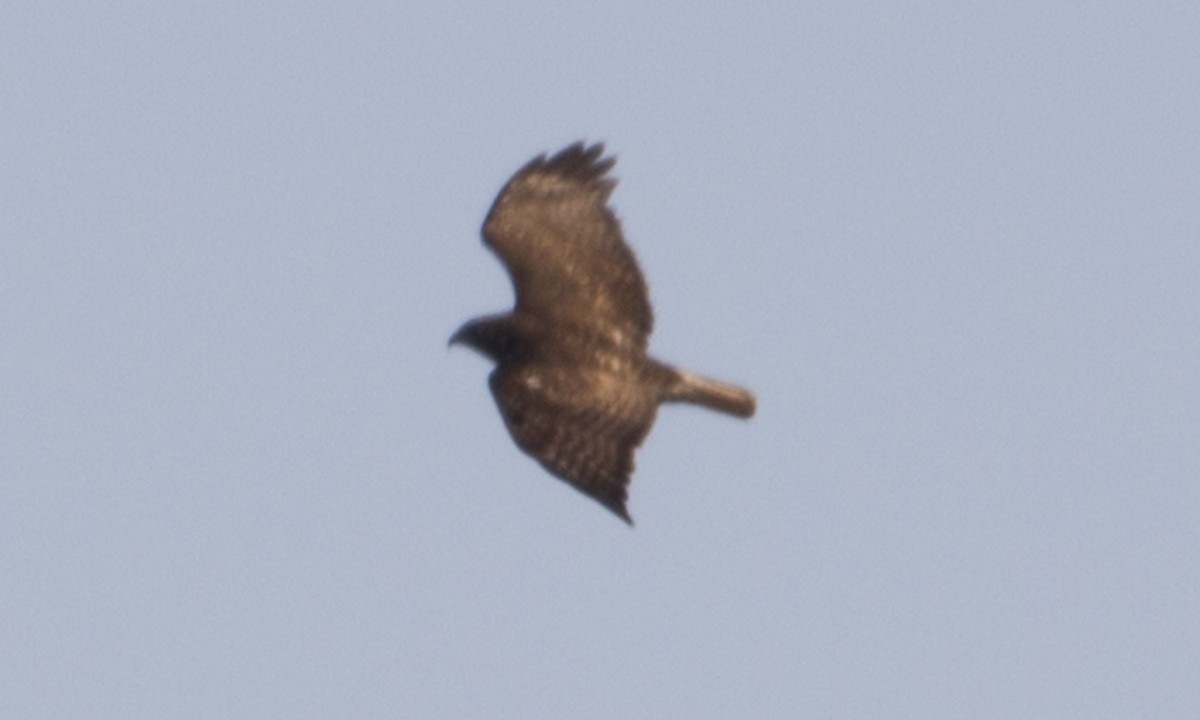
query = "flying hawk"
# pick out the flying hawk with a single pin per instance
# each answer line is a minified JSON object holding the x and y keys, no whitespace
{"x":574,"y":384}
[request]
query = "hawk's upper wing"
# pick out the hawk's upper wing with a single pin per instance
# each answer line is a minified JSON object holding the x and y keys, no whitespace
{"x":563,"y":246}
{"x":586,"y":442}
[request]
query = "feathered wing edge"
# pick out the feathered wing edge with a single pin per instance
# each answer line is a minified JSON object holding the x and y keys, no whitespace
{"x":578,"y":161}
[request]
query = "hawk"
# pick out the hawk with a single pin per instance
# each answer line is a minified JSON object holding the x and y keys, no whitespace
{"x":572,"y":379}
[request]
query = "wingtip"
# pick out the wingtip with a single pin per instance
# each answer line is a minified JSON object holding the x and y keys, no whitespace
{"x":581,"y":159}
{"x":617,"y":507}
{"x":616,"y":503}
{"x":580,"y":149}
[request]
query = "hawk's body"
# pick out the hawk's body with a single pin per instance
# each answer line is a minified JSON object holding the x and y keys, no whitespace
{"x":572,"y":380}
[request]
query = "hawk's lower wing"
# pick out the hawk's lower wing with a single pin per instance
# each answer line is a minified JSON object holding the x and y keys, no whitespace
{"x":588,"y":444}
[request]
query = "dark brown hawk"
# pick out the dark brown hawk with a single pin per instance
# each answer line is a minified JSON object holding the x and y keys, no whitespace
{"x":573,"y":381}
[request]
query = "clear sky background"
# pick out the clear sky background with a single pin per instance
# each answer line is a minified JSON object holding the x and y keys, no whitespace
{"x":954,"y":248}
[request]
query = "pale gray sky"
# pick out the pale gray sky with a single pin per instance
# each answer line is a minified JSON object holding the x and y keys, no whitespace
{"x":954,"y":247}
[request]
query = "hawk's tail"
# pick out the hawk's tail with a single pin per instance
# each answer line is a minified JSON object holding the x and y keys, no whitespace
{"x":712,"y":394}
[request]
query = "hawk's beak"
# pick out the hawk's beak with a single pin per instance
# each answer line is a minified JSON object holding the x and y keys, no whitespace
{"x":458,"y":336}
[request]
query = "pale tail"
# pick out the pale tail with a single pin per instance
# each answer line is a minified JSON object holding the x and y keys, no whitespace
{"x":713,"y":394}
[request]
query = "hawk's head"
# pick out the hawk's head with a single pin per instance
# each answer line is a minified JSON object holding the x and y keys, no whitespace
{"x":493,"y":336}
